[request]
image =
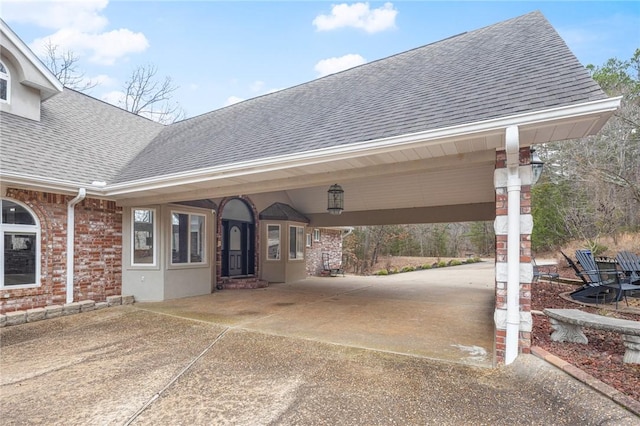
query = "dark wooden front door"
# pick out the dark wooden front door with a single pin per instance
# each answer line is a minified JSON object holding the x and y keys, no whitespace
{"x":237,"y":248}
{"x":236,"y":255}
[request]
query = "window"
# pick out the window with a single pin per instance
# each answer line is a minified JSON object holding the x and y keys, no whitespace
{"x":273,"y":242}
{"x":20,"y":246}
{"x":308,"y":240}
{"x":143,"y":237}
{"x":4,"y":83}
{"x":187,"y":238}
{"x":296,"y":242}
{"x":316,"y":234}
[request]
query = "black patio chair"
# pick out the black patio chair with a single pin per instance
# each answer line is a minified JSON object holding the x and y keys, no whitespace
{"x":630,"y":265}
{"x":546,"y":272}
{"x":592,"y":290}
{"x":612,"y":277}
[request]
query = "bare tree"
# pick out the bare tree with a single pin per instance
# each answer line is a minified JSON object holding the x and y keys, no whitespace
{"x":63,"y":64}
{"x":147,"y":96}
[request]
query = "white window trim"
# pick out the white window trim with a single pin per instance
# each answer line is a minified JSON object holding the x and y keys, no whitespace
{"x":26,"y":229}
{"x":289,"y":237}
{"x":308,"y":240}
{"x":205,"y":242}
{"x":155,"y":239}
{"x":6,"y":76}
{"x":316,"y":234}
{"x":279,"y":243}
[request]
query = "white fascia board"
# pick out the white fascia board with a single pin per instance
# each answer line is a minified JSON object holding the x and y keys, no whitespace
{"x":378,"y":146}
{"x":57,"y":86}
{"x":48,"y":184}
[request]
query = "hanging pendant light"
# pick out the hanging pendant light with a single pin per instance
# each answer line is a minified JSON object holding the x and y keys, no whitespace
{"x":335,"y":201}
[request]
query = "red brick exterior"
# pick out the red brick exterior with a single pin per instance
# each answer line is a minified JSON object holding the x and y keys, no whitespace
{"x":524,"y":345}
{"x":98,"y":251}
{"x":330,"y":242}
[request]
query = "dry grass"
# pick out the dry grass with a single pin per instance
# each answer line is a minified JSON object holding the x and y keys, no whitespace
{"x":628,"y":241}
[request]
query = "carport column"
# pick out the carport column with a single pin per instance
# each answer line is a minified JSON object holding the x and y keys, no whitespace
{"x":518,"y":272}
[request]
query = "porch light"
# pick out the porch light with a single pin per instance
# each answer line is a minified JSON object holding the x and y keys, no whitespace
{"x":335,"y":200}
{"x":536,"y":167}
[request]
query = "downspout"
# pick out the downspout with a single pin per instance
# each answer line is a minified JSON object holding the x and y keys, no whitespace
{"x":349,"y":231}
{"x":514,"y":184}
{"x":70,"y":239}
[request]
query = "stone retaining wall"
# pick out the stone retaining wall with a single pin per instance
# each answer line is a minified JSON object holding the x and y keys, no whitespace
{"x":54,"y":311}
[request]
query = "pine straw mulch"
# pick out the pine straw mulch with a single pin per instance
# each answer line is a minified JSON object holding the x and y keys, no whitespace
{"x":602,"y":356}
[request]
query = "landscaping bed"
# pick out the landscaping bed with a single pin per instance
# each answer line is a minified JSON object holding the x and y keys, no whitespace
{"x":602,"y":356}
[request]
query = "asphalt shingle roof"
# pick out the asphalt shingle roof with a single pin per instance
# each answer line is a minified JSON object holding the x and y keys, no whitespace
{"x":78,"y":139}
{"x":516,"y":66}
{"x":281,"y":211}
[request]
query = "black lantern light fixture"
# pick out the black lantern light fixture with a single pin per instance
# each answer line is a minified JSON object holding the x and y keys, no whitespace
{"x":335,"y":201}
{"x":536,"y":167}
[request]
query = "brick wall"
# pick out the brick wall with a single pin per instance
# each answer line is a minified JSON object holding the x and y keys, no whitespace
{"x":330,"y":242}
{"x":98,"y":251}
{"x":524,"y":345}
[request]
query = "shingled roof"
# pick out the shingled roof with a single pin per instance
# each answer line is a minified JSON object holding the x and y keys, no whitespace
{"x":516,"y":66}
{"x":78,"y":139}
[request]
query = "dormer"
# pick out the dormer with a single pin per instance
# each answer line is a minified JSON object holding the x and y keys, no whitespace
{"x":24,"y":80}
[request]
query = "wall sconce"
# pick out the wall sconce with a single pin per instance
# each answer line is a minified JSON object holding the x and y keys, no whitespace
{"x":536,"y":167}
{"x":335,"y":201}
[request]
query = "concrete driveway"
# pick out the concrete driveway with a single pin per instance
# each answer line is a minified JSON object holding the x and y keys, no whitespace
{"x":262,"y":363}
{"x":443,"y":313}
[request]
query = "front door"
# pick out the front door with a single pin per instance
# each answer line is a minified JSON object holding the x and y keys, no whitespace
{"x":238,"y":240}
{"x":236,"y":253}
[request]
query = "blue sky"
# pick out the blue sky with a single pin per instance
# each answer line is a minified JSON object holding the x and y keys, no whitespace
{"x":222,"y":52}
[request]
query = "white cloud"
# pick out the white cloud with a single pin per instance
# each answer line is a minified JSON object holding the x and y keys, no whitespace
{"x":233,"y":100}
{"x":79,"y":27}
{"x":336,"y":64}
{"x":115,"y":97}
{"x":358,"y":15}
{"x":103,"y":80}
{"x":101,"y":48}
{"x":257,"y":86}
{"x":83,"y":15}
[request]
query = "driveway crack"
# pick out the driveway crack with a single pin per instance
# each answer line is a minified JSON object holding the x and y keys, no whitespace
{"x":176,"y":378}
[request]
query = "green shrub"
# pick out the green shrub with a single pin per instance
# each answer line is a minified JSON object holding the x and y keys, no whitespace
{"x":382,"y":272}
{"x":455,"y":262}
{"x":442,"y":264}
{"x":596,"y":248}
{"x":408,"y":269}
{"x":426,"y":266}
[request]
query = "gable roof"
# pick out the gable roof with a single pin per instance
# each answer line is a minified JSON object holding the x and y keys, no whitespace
{"x":281,"y":211}
{"x":512,"y":67}
{"x":413,"y":112}
{"x":33,"y":72}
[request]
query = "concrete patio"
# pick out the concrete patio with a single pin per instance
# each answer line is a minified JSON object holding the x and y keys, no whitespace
{"x":444,"y":313}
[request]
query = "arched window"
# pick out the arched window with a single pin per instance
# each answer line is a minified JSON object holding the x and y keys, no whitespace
{"x":19,"y":245}
{"x":5,"y":82}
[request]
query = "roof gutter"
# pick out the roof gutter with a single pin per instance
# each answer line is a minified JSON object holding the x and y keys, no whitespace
{"x":82,"y":193}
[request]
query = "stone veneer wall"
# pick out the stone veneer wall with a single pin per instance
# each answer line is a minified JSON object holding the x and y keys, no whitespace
{"x":98,"y":251}
{"x":330,"y":242}
{"x":526,"y":270}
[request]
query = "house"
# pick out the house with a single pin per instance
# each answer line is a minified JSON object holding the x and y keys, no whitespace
{"x":97,"y":201}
